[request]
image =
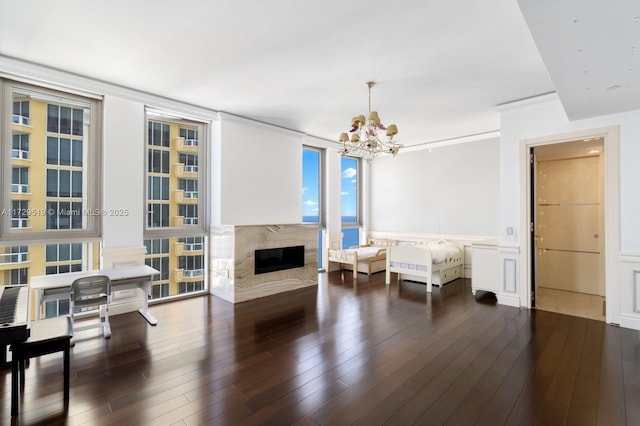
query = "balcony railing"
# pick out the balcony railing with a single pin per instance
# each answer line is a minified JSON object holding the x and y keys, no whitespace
{"x":193,"y":273}
{"x":7,"y":258}
{"x":190,"y":220}
{"x":187,"y":145}
{"x":190,"y":197}
{"x":181,"y":169}
{"x":193,"y":246}
{"x":20,"y":119}
{"x":20,"y":222}
{"x":19,"y":188}
{"x":20,"y":154}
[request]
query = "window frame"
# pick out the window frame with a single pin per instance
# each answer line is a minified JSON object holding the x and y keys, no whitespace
{"x":164,"y":284}
{"x":22,"y":185}
{"x":357,"y":224}
{"x":204,"y":128}
{"x":321,"y":185}
{"x":92,"y":197}
{"x":321,"y":178}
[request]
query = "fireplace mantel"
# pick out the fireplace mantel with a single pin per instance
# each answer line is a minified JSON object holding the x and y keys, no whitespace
{"x":233,"y":260}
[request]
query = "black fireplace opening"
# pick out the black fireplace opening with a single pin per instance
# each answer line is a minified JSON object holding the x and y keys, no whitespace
{"x":277,"y":259}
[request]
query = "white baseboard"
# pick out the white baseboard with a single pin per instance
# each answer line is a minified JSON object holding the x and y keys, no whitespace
{"x":508,"y":300}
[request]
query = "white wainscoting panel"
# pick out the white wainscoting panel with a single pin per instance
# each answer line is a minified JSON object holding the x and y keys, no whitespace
{"x":629,"y":267}
{"x":636,"y":291}
{"x":509,"y":275}
{"x":509,"y":293}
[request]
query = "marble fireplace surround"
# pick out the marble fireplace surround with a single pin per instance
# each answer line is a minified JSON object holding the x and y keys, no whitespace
{"x":233,"y":260}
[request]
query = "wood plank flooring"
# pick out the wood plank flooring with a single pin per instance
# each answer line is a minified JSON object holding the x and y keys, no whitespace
{"x":342,"y":353}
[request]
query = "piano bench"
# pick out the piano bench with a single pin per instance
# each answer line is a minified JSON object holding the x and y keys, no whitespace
{"x":47,"y":336}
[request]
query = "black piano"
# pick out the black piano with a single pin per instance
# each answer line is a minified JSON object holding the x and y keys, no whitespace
{"x":14,"y":306}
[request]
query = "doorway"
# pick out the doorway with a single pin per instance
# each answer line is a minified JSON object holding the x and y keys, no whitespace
{"x":568,"y":241}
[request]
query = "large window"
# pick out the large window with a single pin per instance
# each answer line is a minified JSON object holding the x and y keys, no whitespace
{"x":51,"y":144}
{"x":350,"y":189}
{"x":51,"y":149}
{"x":312,"y":205}
{"x":175,"y":192}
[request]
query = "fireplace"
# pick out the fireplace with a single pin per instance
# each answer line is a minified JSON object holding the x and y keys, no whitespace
{"x":288,"y":252}
{"x":278,"y":259}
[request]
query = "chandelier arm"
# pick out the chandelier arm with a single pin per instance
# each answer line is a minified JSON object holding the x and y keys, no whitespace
{"x":365,"y":141}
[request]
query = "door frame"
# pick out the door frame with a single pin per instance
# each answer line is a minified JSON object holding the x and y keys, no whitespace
{"x":610,"y":136}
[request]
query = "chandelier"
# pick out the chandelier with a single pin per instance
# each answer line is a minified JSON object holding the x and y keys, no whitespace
{"x":367,"y":138}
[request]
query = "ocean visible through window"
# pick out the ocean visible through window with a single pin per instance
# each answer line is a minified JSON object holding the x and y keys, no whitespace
{"x":350,"y":237}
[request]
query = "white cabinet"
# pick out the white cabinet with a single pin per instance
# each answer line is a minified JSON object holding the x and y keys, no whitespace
{"x":485,"y":274}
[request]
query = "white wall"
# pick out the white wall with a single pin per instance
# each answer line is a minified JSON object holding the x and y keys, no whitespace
{"x":451,"y":190}
{"x":261,"y":176}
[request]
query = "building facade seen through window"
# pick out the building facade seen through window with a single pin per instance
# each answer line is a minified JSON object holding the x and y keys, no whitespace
{"x":174,"y":235}
{"x":52,"y":146}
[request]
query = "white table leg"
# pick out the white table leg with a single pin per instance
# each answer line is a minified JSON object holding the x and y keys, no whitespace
{"x":144,"y":311}
{"x":38,"y":303}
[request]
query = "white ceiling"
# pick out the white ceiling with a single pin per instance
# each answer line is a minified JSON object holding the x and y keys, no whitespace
{"x":440,"y":66}
{"x":592,"y":52}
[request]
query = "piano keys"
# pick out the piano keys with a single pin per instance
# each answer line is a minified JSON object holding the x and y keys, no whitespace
{"x":14,"y":307}
{"x":14,"y":302}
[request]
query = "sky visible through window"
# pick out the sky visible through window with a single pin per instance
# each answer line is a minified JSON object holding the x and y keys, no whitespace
{"x":310,"y":185}
{"x":349,"y":188}
{"x":349,"y":195}
{"x":311,"y":193}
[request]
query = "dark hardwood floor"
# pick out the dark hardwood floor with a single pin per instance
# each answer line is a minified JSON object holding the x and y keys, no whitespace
{"x":342,"y":354}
